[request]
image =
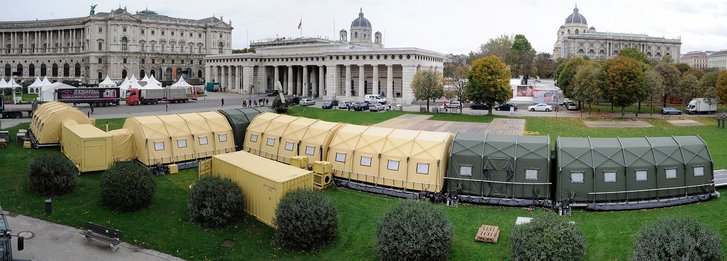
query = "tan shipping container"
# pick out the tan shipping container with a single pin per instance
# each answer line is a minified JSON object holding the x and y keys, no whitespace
{"x":263,"y":182}
{"x":88,"y":147}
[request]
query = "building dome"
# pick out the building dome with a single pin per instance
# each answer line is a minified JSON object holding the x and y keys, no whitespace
{"x":574,"y":18}
{"x":361,"y":21}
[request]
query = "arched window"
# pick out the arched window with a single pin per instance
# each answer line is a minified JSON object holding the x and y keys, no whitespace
{"x":66,"y":70}
{"x":19,"y":71}
{"x":568,"y":31}
{"x":576,"y":31}
{"x":31,"y":70}
{"x":355,"y":35}
{"x":7,"y":69}
{"x":142,"y":46}
{"x":199,"y":74}
{"x":43,"y":71}
{"x":100,"y":45}
{"x":123,"y":73}
{"x":100,"y":76}
{"x":220,"y":46}
{"x":54,"y":70}
{"x":142,"y":73}
{"x":77,"y":70}
{"x":152,"y":73}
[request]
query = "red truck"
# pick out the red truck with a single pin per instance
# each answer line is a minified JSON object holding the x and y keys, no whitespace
{"x":135,"y":96}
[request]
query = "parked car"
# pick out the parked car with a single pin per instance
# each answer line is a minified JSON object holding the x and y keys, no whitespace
{"x":271,"y":92}
{"x":361,"y":106}
{"x":571,"y":106}
{"x":306,"y":102}
{"x":292,"y":100}
{"x":345,"y":105}
{"x":330,"y":104}
{"x":454,"y":105}
{"x":377,"y":107}
{"x":506,"y":107}
{"x":478,"y":106}
{"x":670,"y":111}
{"x":540,"y":107}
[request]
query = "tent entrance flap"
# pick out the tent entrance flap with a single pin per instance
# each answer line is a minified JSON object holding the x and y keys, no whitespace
{"x":499,"y":170}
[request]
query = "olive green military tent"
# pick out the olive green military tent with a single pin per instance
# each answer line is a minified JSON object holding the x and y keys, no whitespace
{"x":500,"y":169}
{"x":631,"y":173}
{"x":239,"y":119}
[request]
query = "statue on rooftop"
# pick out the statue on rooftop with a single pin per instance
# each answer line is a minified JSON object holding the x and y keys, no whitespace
{"x":93,"y":10}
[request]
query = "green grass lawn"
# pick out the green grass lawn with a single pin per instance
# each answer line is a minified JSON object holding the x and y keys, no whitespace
{"x":369,"y":118}
{"x":166,"y":227}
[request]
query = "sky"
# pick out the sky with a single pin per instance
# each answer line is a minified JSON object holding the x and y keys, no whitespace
{"x":454,"y":26}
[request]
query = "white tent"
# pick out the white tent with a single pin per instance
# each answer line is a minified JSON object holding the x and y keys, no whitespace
{"x":12,"y":83}
{"x":3,"y":83}
{"x":107,"y":82}
{"x":150,"y":85}
{"x":46,"y":82}
{"x":128,"y":84}
{"x":152,"y":79}
{"x":35,"y":86}
{"x":48,"y":93}
{"x":181,"y":84}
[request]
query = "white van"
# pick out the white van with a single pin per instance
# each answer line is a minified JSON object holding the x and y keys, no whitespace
{"x":372,"y":98}
{"x":700,"y":105}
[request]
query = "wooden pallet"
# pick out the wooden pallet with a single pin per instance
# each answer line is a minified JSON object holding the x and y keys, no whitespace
{"x":488,"y":234}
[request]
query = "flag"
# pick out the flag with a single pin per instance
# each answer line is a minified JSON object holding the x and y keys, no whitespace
{"x":300,"y":24}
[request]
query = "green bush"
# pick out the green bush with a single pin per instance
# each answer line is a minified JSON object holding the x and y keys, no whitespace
{"x":216,"y":202}
{"x":677,"y":239}
{"x":305,"y":220}
{"x":51,"y":174}
{"x":547,"y":237}
{"x":127,"y":186}
{"x":414,"y":231}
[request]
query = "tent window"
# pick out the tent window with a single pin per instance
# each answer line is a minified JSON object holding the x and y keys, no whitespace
{"x":223,"y":137}
{"x":531,"y":174}
{"x":270,"y":142}
{"x":609,"y":176}
{"x":289,"y":146}
{"x":253,"y":137}
{"x":365,"y":161}
{"x":392,"y":165}
{"x":671,"y":173}
{"x":340,"y":157}
{"x":465,"y":170}
{"x":423,"y":168}
{"x":698,"y":171}
{"x":310,"y":150}
{"x":159,"y":145}
{"x":203,"y":140}
{"x":641,"y":175}
{"x":576,"y":177}
{"x":182,"y":143}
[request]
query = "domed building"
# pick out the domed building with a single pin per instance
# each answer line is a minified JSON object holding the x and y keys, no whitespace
{"x":346,"y":70}
{"x":576,"y":38}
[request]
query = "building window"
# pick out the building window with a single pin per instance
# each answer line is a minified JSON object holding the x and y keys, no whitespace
{"x":182,"y":143}
{"x":576,"y":177}
{"x":392,"y":165}
{"x":698,"y":171}
{"x":270,"y":142}
{"x":142,"y":31}
{"x":162,"y":32}
{"x":365,"y":161}
{"x":253,"y":137}
{"x":671,"y":173}
{"x":423,"y":168}
{"x":222,"y":137}
{"x":100,"y":60}
{"x":310,"y":150}
{"x":152,"y":32}
{"x":465,"y":170}
{"x":124,"y":61}
{"x":100,"y":29}
{"x":200,"y":35}
{"x":340,"y":157}
{"x":143,"y":61}
{"x":220,"y":46}
{"x":159,"y":145}
{"x":100,"y":46}
{"x":641,"y":175}
{"x":172,"y":33}
{"x":152,"y":61}
{"x":203,"y":140}
{"x":531,"y":174}
{"x":609,"y":176}
{"x":123,"y":29}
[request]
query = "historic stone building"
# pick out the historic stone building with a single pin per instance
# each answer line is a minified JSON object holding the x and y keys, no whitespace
{"x":346,"y":69}
{"x":717,"y":60}
{"x":575,"y":38}
{"x":116,"y":43}
{"x":695,"y":59}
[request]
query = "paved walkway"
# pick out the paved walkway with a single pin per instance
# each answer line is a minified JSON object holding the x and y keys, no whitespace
{"x":685,"y":123}
{"x":617,"y":124}
{"x":423,"y":122}
{"x":59,"y":242}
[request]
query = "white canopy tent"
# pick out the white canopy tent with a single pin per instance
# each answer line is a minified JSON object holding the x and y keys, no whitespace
{"x":150,"y":85}
{"x":3,"y":83}
{"x":48,"y":93}
{"x":35,"y":86}
{"x":128,"y":84}
{"x":181,"y":83}
{"x":46,"y":82}
{"x":152,"y":79}
{"x":107,"y":82}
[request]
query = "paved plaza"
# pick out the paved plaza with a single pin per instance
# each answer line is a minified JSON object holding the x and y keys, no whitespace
{"x":618,"y":124}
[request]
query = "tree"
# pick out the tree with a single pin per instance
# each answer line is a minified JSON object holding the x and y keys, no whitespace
{"x":689,"y":88}
{"x":624,"y":81}
{"x":587,"y":83}
{"x":499,"y":47}
{"x":667,"y":59}
{"x":683,"y":67}
{"x":488,"y":82}
{"x":543,"y":65}
{"x":655,"y":86}
{"x":521,"y":56}
{"x":566,"y":74}
{"x":722,"y":86}
{"x":635,"y":54}
{"x":709,"y":84}
{"x":459,"y":80}
{"x":427,"y":84}
{"x":670,"y":76}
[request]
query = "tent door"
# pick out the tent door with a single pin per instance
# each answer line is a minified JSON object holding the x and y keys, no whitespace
{"x":499,"y":170}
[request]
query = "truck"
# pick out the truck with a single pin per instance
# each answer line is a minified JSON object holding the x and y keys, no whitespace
{"x":6,"y":246}
{"x":702,"y":105}
{"x":94,"y":96}
{"x":15,"y":110}
{"x":136,"y":96}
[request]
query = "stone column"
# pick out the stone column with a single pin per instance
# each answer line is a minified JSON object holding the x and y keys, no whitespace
{"x":390,"y":83}
{"x":247,"y":74}
{"x":321,"y":81}
{"x":263,"y":77}
{"x":407,"y":76}
{"x":299,"y":82}
{"x":313,"y":82}
{"x":223,"y":80}
{"x":347,"y":84}
{"x":238,"y":78}
{"x":332,"y":81}
{"x":276,"y":76}
{"x":375,"y":80}
{"x":230,"y":79}
{"x":306,"y":90}
{"x":361,"y":78}
{"x":207,"y":73}
{"x":289,"y":76}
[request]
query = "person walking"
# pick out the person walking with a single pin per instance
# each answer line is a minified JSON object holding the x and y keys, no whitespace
{"x":223,"y":102}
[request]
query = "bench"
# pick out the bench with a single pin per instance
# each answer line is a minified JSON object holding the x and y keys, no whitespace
{"x":103,"y":234}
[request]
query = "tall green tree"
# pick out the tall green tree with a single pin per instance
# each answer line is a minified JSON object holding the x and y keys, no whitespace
{"x":655,"y":86}
{"x":634,"y":54}
{"x":459,"y":81}
{"x":722,"y":86}
{"x":499,"y":46}
{"x":566,"y":74}
{"x":682,"y":67}
{"x":689,"y":88}
{"x":587,"y":84}
{"x":427,"y":85}
{"x":488,"y":82}
{"x":709,"y":84}
{"x":521,"y":56}
{"x":670,"y":76}
{"x":623,"y":81}
{"x":543,"y":66}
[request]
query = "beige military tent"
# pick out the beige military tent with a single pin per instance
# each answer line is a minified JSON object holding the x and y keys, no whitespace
{"x":219,"y":126}
{"x":201,"y":135}
{"x":253,"y":135}
{"x":428,"y":161}
{"x":123,"y":145}
{"x":365,"y":158}
{"x":340,"y":152}
{"x":272,"y":135}
{"x":88,"y":147}
{"x":317,"y":139}
{"x":292,"y":137}
{"x":152,"y":142}
{"x":47,"y":124}
{"x":393,"y":168}
{"x":182,"y":142}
